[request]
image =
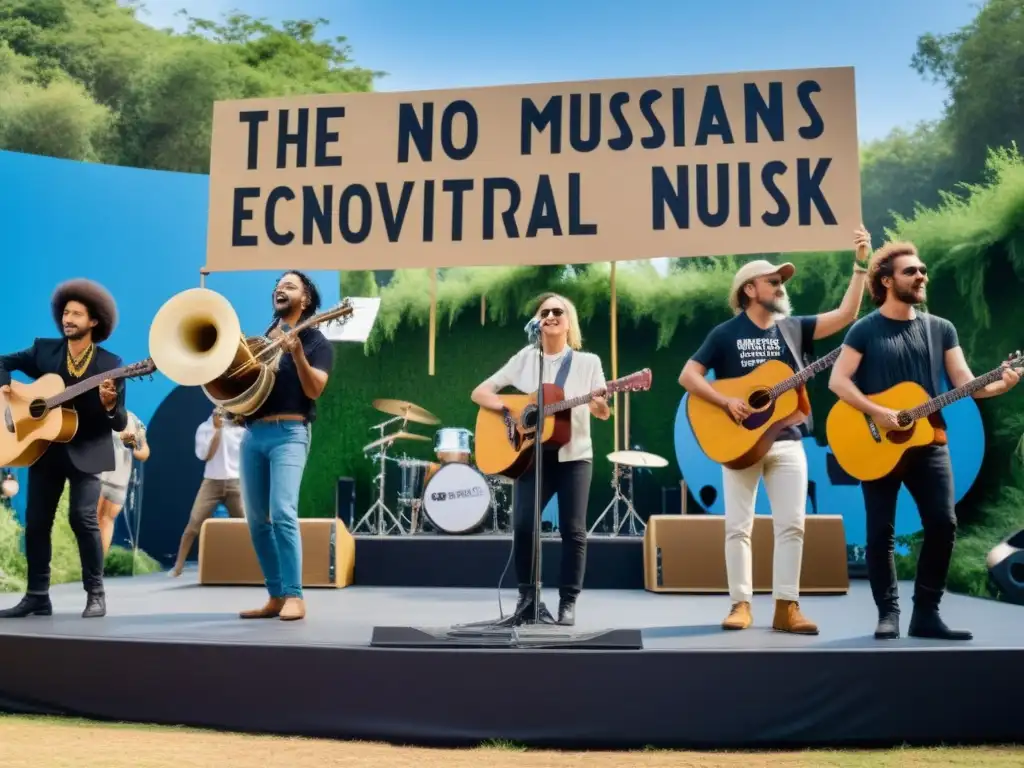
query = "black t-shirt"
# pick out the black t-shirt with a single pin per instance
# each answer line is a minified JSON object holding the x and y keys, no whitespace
{"x":895,"y":351}
{"x":287,"y":395}
{"x":737,"y":346}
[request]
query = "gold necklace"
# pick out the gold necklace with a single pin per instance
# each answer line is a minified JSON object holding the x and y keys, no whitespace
{"x":77,"y":366}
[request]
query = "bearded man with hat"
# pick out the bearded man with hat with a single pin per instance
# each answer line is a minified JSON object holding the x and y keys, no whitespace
{"x":85,"y":315}
{"x":763,"y":329}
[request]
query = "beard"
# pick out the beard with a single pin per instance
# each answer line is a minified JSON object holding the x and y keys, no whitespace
{"x":909,"y":295}
{"x":74,"y":334}
{"x":779,"y":306}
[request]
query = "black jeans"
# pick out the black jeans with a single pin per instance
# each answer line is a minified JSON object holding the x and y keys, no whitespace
{"x":46,"y":480}
{"x":928,"y":475}
{"x":570,"y":480}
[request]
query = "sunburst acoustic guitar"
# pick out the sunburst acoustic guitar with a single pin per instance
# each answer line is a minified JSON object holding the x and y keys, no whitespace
{"x":500,"y":451}
{"x":34,"y":415}
{"x":867,"y":451}
{"x":775,"y":395}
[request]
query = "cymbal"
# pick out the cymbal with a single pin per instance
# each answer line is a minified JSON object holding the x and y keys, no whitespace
{"x":391,"y":438}
{"x":406,"y":410}
{"x":637,"y":459}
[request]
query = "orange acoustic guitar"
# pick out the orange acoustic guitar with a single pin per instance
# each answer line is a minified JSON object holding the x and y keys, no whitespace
{"x":501,"y":451}
{"x":33,"y":416}
{"x":775,"y":395}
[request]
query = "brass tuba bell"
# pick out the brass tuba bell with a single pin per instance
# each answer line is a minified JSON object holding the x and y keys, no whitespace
{"x":196,"y":339}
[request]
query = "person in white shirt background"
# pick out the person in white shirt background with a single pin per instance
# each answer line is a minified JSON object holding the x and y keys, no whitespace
{"x":129,"y":445}
{"x":218,"y":440}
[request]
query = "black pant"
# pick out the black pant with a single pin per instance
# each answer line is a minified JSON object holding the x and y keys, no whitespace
{"x":46,"y":480}
{"x":928,"y":475}
{"x":571,"y":482}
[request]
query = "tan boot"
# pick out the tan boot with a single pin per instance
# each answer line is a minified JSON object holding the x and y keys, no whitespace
{"x":789,"y":619}
{"x":268,"y":611}
{"x":294,"y":608}
{"x":739,"y":617}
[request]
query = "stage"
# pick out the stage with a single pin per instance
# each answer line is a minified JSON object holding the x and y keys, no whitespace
{"x":172,"y":652}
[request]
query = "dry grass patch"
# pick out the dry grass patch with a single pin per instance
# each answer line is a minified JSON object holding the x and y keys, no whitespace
{"x":57,"y":743}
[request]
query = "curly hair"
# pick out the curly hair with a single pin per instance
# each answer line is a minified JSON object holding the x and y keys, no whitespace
{"x":311,"y":291}
{"x":97,"y":300}
{"x":882,"y":266}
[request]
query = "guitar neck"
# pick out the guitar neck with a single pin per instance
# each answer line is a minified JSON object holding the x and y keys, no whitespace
{"x":946,"y":398}
{"x":807,"y":373}
{"x":84,"y":386}
{"x":561,"y":405}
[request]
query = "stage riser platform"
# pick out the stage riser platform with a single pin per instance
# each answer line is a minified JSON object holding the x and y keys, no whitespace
{"x":477,"y":562}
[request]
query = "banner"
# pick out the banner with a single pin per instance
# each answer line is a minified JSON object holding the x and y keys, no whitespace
{"x":554,"y":173}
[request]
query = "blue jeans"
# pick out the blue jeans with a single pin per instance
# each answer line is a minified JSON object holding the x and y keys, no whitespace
{"x":272,"y":458}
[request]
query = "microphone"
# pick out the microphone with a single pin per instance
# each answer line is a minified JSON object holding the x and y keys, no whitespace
{"x":533,"y":330}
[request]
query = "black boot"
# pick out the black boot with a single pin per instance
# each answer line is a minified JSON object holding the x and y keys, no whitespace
{"x":925,"y":622}
{"x":30,"y":605}
{"x":567,"y":610}
{"x":95,"y":606}
{"x":888,"y":624}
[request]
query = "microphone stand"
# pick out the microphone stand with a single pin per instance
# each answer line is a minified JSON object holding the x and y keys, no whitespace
{"x":541,"y":615}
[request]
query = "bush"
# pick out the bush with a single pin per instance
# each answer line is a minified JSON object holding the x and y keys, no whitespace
{"x":65,"y":564}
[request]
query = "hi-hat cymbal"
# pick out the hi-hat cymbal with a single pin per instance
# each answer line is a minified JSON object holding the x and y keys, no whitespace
{"x":391,"y":438}
{"x":637,"y":459}
{"x":406,"y":410}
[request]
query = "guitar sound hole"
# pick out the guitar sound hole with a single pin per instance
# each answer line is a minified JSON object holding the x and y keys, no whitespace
{"x":528,"y":420}
{"x":37,"y":409}
{"x":760,"y":399}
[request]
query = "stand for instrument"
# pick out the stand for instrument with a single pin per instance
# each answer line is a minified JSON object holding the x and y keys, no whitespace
{"x":379,"y":507}
{"x":620,"y":498}
{"x":533,"y":626}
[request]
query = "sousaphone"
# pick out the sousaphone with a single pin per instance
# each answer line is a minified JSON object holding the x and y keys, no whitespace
{"x":196,"y":339}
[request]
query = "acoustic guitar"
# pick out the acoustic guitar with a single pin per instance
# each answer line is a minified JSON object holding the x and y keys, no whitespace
{"x":509,"y":452}
{"x":868,"y":451}
{"x":775,"y":395}
{"x":34,"y":416}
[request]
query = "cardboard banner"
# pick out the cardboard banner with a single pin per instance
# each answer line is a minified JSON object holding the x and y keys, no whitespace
{"x":552,"y":173}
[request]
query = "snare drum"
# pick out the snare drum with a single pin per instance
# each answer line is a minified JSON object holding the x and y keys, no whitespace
{"x":453,"y":445}
{"x":457,"y":499}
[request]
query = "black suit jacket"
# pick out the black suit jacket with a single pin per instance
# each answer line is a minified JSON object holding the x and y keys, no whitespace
{"x":91,"y":450}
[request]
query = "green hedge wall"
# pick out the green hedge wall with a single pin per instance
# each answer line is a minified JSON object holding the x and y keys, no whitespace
{"x":975,"y":250}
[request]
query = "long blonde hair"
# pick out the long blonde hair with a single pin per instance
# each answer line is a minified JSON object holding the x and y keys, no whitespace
{"x":574,"y":338}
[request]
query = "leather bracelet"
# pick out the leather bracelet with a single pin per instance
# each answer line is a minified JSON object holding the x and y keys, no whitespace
{"x":858,"y":268}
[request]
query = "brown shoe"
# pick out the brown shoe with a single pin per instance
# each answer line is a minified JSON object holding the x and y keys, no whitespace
{"x":269,"y":611}
{"x":789,"y":619}
{"x":739,"y":617}
{"x":294,"y":608}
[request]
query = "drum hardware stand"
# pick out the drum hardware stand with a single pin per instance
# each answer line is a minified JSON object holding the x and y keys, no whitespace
{"x":379,"y":507}
{"x":620,"y":498}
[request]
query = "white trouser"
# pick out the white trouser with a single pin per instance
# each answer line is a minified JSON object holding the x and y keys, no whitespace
{"x":784,"y":469}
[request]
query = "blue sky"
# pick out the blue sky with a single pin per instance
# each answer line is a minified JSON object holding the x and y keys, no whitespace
{"x":426,"y":44}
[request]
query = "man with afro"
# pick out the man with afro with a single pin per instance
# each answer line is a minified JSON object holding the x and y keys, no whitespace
{"x":85,"y":315}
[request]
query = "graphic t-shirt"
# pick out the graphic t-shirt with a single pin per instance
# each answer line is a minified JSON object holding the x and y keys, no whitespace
{"x":738,"y":346}
{"x":895,"y":351}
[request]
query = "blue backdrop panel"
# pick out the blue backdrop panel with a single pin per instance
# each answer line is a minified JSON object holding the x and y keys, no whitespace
{"x":140,"y":233}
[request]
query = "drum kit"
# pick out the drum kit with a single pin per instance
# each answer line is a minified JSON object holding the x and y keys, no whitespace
{"x":449,"y":495}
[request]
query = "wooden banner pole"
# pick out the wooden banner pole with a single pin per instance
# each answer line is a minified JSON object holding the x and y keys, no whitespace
{"x":433,"y":320}
{"x":615,"y":355}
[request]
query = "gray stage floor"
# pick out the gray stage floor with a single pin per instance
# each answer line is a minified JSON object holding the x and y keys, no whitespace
{"x":157,"y":608}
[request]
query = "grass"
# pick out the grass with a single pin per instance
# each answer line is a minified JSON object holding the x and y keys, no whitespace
{"x":42,"y":742}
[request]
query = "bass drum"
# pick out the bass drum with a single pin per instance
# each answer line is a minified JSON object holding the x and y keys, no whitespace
{"x":457,"y":499}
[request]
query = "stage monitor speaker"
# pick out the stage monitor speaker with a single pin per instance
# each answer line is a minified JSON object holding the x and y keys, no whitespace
{"x":1006,"y":568}
{"x":227,"y":557}
{"x":686,"y":553}
{"x":345,"y":500}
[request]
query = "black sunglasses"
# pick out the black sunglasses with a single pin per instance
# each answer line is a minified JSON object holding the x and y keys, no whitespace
{"x":909,"y":271}
{"x":556,"y":311}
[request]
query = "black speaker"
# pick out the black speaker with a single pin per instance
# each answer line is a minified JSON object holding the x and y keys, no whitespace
{"x":1006,"y":568}
{"x":345,"y":500}
{"x":671,"y":500}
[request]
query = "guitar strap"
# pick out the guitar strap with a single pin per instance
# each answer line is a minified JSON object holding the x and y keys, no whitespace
{"x":790,"y":329}
{"x":935,"y":355}
{"x":563,"y":370}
